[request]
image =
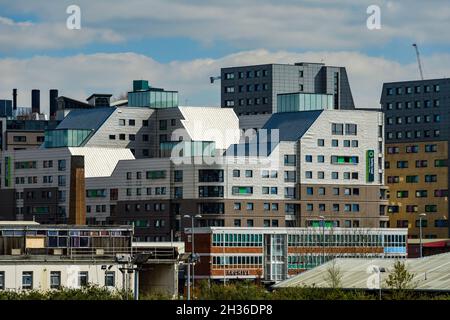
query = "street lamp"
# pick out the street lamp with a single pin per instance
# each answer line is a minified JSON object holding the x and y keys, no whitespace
{"x":322,"y":219}
{"x":379,"y":270}
{"x":420,"y":232}
{"x":192,"y":255}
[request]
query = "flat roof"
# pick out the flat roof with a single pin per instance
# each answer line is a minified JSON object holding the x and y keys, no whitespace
{"x":431,"y":273}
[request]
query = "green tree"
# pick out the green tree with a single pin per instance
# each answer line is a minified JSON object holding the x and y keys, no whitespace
{"x":333,"y":276}
{"x":400,"y":281}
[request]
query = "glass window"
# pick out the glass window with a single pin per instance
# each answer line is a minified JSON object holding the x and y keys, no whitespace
{"x":55,"y":279}
{"x":110,"y":279}
{"x":27,"y":280}
{"x":83,"y":278}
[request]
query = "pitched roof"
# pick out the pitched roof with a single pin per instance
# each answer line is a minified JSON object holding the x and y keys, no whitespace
{"x":292,"y":125}
{"x":87,"y":119}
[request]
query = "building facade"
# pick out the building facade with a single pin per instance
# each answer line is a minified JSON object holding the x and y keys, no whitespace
{"x":252,"y":90}
{"x":312,"y":164}
{"x":275,"y":254}
{"x":417,"y":144}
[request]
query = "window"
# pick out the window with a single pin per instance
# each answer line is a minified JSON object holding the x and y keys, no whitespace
{"x":321,"y":191}
{"x":229,"y":75}
{"x":162,"y":124}
{"x":309,"y":191}
{"x":55,"y":279}
{"x":344,"y":159}
{"x":337,"y":128}
{"x":289,"y":176}
{"x":421,"y":163}
{"x":250,"y":223}
{"x":236,"y":173}
{"x":122,"y":136}
{"x":430,"y":148}
{"x":132,"y":137}
{"x":289,"y":192}
{"x":178,"y":176}
{"x":289,"y":160}
{"x":320,"y":142}
{"x":83,"y":278}
{"x":250,"y":206}
{"x":320,"y":175}
{"x":237,"y":206}
{"x":131,"y":122}
{"x":121,"y":122}
{"x":440,"y":163}
{"x":61,"y":165}
{"x":430,"y":178}
{"x":2,"y":280}
{"x":412,"y":179}
{"x":274,"y":206}
{"x":350,"y":129}
{"x":248,"y":173}
{"x":210,"y":175}
{"x":308,"y":174}
{"x":308,"y":158}
{"x":402,"y":164}
{"x":334,"y":143}
{"x":402,"y":194}
{"x":421,"y":193}
{"x":112,"y":137}
{"x":335,"y":191}
{"x":320,"y":159}
{"x":145,"y":123}
{"x":110,"y":279}
{"x":27,"y":280}
{"x":334,"y":175}
{"x":229,"y":103}
{"x":424,"y":223}
{"x":241,"y":190}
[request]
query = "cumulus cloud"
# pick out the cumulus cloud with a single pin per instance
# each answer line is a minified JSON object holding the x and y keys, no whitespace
{"x":80,"y":75}
{"x":280,"y":24}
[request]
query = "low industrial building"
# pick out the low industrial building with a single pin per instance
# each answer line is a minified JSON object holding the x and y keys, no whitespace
{"x":275,"y":254}
{"x":45,"y":257}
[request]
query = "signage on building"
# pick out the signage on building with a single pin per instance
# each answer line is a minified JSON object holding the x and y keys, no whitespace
{"x":370,"y":166}
{"x":237,"y":273}
{"x":7,"y":171}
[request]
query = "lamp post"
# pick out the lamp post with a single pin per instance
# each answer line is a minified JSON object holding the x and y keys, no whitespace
{"x":420,"y":232}
{"x":192,"y":255}
{"x":379,"y":270}
{"x":322,"y":219}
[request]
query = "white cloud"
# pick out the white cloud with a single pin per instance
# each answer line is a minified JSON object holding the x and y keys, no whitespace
{"x":280,"y":24}
{"x":79,"y":76}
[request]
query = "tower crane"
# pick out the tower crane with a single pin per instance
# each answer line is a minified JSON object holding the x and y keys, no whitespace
{"x":418,"y":60}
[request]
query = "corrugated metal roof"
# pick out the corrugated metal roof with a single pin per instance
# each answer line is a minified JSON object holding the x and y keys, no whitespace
{"x":101,"y":162}
{"x":431,"y":273}
{"x":88,"y":119}
{"x":211,"y":124}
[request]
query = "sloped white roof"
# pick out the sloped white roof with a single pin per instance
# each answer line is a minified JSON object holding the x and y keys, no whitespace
{"x":430,"y":273}
{"x":101,"y":162}
{"x":211,"y":124}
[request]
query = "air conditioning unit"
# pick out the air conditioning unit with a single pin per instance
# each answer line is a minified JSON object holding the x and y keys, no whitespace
{"x":99,"y":252}
{"x":16,"y":252}
{"x":57,"y":252}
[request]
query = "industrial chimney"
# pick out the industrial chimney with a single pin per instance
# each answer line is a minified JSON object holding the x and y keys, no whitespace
{"x":14,"y":99}
{"x":35,"y":101}
{"x":53,"y":104}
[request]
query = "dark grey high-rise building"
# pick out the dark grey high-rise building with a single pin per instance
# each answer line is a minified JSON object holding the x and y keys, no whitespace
{"x":254,"y":89}
{"x":35,"y":101}
{"x":417,"y":122}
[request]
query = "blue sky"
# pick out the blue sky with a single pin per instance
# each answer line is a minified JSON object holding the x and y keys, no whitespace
{"x":179,"y":44}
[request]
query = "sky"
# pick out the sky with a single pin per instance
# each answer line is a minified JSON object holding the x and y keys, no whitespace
{"x":178,"y":44}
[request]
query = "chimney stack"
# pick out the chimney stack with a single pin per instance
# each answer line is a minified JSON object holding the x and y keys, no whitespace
{"x":53,"y":103}
{"x":14,"y":99}
{"x":35,"y":101}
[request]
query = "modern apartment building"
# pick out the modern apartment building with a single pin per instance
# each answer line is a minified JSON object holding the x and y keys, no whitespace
{"x":311,"y":164}
{"x":23,"y":134}
{"x":275,"y":254}
{"x":252,"y":90}
{"x":417,"y":143}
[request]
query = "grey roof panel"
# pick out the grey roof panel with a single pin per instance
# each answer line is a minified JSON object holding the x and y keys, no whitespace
{"x":292,"y":125}
{"x":88,"y":119}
